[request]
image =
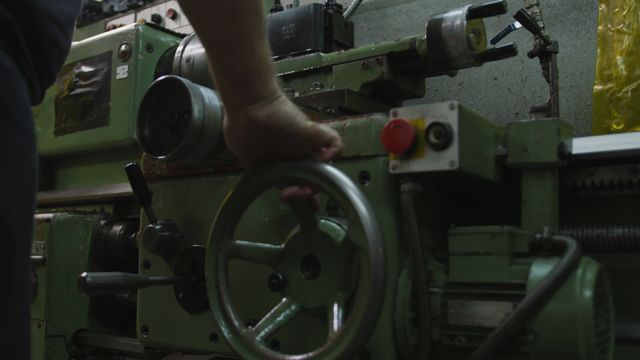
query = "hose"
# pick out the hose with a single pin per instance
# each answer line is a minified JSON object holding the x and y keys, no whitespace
{"x":535,"y":300}
{"x":352,"y":9}
{"x":418,"y":265}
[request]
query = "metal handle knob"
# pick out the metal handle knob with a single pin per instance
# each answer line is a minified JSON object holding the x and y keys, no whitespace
{"x":109,"y":283}
{"x":489,"y":9}
{"x":141,"y":190}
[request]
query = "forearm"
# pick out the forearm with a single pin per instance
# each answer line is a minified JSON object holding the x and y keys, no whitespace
{"x":233,"y":33}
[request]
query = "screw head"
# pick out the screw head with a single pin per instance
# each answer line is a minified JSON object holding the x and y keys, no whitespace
{"x":124,"y":51}
{"x":311,"y":267}
{"x":214,"y":338}
{"x":277,"y":282}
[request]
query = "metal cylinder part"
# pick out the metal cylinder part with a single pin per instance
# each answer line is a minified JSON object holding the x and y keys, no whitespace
{"x":113,"y":246}
{"x":109,"y":344}
{"x":577,"y":319}
{"x":180,"y":121}
{"x":190,"y":62}
{"x":453,"y":41}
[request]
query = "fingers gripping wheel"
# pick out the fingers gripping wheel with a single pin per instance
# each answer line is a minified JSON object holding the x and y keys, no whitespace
{"x":352,"y":307}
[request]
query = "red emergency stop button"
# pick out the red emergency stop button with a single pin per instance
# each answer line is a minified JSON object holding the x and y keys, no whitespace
{"x":172,"y":14}
{"x":398,"y":136}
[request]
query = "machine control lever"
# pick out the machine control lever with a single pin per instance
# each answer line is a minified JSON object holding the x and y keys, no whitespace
{"x":162,"y":237}
{"x":523,"y":17}
{"x":489,"y":9}
{"x":497,"y":53}
{"x":109,"y":283}
{"x":457,"y":39}
{"x":141,"y":190}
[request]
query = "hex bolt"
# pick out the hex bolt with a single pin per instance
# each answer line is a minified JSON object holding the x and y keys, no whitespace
{"x":277,"y":282}
{"x":124,"y":51}
{"x":251,"y":323}
{"x":316,"y":85}
{"x":214,"y":338}
{"x":364,"y":177}
{"x":311,"y":267}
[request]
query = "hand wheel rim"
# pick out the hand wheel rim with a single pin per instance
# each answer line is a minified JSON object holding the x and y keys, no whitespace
{"x":370,"y":290}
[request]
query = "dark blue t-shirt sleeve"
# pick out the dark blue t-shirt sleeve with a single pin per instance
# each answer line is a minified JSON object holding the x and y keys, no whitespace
{"x":38,"y":35}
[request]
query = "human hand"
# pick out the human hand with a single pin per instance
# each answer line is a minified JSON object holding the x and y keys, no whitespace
{"x":275,"y":130}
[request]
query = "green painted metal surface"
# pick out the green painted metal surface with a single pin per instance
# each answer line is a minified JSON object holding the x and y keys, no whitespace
{"x":267,"y":220}
{"x":58,"y":309}
{"x":580,"y":311}
{"x":493,"y":249}
{"x":92,"y":157}
{"x":539,"y":148}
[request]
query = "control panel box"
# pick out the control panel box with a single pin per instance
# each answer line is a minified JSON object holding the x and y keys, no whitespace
{"x":441,"y":137}
{"x":120,"y":21}
{"x":167,"y":14}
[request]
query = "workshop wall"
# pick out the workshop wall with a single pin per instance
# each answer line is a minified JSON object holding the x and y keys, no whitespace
{"x":503,"y":90}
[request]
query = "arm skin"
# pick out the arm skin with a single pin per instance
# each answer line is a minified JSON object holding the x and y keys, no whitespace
{"x":261,"y":125}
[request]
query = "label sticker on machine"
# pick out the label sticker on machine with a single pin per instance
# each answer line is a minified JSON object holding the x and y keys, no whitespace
{"x":83,"y":95}
{"x":478,"y":313}
{"x":37,"y":248}
{"x":122,"y":72}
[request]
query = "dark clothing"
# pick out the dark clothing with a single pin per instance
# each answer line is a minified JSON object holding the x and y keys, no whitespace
{"x":17,"y":202}
{"x":35,"y":36}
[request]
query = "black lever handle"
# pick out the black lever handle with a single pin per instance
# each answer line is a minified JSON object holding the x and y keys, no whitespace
{"x":108,"y":283}
{"x":497,"y":53}
{"x":489,"y":9}
{"x":504,"y":32}
{"x":141,"y":190}
{"x":524,"y":18}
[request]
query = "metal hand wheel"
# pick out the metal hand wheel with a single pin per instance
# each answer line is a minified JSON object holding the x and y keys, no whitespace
{"x":317,"y":261}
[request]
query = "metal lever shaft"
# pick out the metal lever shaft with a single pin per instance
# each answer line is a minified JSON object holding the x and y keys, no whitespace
{"x":489,"y":9}
{"x":528,"y":22}
{"x":108,"y":283}
{"x":497,"y":53}
{"x":504,"y":32}
{"x":141,"y":190}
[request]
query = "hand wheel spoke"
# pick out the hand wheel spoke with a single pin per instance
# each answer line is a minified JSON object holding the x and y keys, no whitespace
{"x":260,"y":253}
{"x":275,"y":319}
{"x":305,"y":216}
{"x":336,"y":314}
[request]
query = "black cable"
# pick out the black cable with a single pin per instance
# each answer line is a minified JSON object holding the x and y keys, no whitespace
{"x":535,"y":300}
{"x":418,"y":266}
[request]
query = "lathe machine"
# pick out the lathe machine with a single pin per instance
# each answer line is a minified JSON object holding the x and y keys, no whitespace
{"x":439,"y":235}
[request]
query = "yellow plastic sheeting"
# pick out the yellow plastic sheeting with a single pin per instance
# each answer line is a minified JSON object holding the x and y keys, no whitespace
{"x":616,"y":94}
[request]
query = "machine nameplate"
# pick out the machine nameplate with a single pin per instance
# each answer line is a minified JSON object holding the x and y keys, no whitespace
{"x":478,"y":313}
